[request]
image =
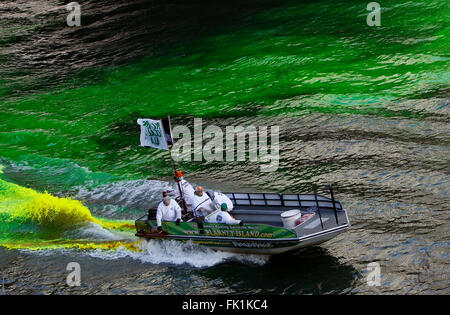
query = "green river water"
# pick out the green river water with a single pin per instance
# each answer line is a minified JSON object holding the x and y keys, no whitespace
{"x":365,"y":108}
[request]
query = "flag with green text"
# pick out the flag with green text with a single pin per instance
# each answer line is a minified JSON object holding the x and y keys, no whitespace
{"x":153,"y":134}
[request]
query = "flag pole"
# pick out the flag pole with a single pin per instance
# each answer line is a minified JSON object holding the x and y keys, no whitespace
{"x":170,"y":149}
{"x":175,"y":168}
{"x":199,"y":223}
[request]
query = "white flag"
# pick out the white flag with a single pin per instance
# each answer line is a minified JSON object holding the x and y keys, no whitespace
{"x":152,"y":134}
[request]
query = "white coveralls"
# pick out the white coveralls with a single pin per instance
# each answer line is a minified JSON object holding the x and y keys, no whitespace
{"x":219,"y":216}
{"x":220,"y":198}
{"x":188,"y":193}
{"x":203,"y":205}
{"x":172,"y":212}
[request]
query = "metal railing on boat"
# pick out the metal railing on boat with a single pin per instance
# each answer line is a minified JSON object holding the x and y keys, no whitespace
{"x":289,"y":201}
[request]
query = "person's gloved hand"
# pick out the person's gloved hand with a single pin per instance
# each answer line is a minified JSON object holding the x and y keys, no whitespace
{"x":159,"y":229}
{"x":241,"y":223}
{"x":178,"y":222}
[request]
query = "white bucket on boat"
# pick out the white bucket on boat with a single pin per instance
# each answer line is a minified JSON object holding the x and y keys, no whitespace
{"x":290,"y":218}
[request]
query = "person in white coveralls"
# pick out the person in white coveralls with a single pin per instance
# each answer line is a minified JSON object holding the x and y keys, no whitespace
{"x":187,"y":190}
{"x":222,"y":216}
{"x":220,"y":198}
{"x":203,"y":204}
{"x":168,"y":210}
{"x":214,"y":210}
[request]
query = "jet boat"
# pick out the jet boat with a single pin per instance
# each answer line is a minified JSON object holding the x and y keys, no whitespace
{"x":272,"y":224}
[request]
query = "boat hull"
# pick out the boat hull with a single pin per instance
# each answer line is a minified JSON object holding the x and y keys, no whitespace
{"x":249,"y":239}
{"x":263,"y":231}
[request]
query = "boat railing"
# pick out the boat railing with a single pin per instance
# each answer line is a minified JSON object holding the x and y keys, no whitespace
{"x":283,"y":200}
{"x":314,"y":200}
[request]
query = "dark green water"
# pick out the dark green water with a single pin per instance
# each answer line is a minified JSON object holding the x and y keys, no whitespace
{"x":365,"y":108}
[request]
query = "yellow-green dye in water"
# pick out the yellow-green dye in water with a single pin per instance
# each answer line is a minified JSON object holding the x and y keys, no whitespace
{"x":35,"y":220}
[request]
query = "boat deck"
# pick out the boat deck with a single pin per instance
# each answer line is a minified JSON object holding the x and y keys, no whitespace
{"x":263,"y":208}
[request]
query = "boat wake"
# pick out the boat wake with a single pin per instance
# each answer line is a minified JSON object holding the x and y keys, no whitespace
{"x":64,"y":224}
{"x":178,"y":253}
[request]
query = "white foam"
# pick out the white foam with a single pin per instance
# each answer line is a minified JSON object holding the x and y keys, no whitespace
{"x":162,"y":252}
{"x":178,"y":253}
